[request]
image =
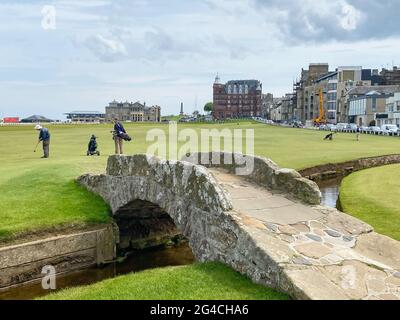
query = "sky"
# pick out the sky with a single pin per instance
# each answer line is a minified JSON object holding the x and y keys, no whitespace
{"x":61,"y":56}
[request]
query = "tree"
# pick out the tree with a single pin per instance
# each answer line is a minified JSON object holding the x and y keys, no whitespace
{"x":208,"y":107}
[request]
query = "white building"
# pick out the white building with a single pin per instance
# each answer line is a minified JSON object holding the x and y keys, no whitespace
{"x":392,"y":114}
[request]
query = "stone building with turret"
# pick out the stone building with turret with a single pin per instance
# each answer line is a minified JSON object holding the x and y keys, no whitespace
{"x":237,"y":99}
{"x":135,"y":112}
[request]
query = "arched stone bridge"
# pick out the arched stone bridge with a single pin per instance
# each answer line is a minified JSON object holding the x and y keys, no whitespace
{"x":268,"y":224}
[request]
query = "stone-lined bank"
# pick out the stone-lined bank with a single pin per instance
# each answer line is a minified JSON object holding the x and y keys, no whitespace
{"x":335,"y":170}
{"x":79,"y":250}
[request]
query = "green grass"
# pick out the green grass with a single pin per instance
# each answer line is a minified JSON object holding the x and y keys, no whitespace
{"x":171,"y":118}
{"x":39,"y":200}
{"x":373,"y":196}
{"x":37,"y":194}
{"x":207,"y":281}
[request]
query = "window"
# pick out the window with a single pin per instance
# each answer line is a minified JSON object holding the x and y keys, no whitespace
{"x":332,"y":86}
{"x":373,"y":104}
{"x":332,"y":106}
{"x":332,"y":96}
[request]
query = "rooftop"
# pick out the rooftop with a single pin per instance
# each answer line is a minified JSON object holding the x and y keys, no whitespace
{"x":363,"y":90}
{"x":327,"y":76}
{"x":36,"y":118}
{"x":251,"y":84}
{"x":85,"y":112}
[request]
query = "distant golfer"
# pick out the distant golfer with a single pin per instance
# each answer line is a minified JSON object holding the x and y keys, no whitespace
{"x":44,"y":138}
{"x":118,"y":133}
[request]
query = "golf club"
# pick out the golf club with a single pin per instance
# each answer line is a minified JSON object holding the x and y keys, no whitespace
{"x":36,"y":147}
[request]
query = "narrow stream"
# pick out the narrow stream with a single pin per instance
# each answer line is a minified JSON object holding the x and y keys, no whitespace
{"x":138,"y":261}
{"x":330,"y":192}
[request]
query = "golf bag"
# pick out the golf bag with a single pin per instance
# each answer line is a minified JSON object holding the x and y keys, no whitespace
{"x":125,"y":136}
{"x":92,"y":147}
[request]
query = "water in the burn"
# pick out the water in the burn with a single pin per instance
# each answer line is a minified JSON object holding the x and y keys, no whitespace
{"x":330,"y":192}
{"x":138,"y":261}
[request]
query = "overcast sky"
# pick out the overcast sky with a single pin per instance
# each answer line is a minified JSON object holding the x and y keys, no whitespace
{"x":167,"y":51}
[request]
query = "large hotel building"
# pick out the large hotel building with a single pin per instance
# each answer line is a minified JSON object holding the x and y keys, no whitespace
{"x":237,"y":99}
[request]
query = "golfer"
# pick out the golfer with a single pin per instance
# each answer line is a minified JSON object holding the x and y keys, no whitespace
{"x":44,"y":138}
{"x":117,"y":136}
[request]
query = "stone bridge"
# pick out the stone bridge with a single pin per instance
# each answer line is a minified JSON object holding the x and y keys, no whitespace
{"x":268,"y":224}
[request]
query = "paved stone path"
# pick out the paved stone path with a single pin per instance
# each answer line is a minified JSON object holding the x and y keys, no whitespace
{"x":324,"y":253}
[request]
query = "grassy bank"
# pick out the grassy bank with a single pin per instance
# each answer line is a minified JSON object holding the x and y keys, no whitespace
{"x":38,"y":194}
{"x":373,"y":196}
{"x":210,"y":281}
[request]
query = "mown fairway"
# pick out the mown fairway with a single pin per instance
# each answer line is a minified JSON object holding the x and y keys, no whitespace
{"x":38,"y":194}
{"x":373,"y":196}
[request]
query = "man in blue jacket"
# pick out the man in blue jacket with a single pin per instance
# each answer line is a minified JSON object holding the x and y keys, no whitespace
{"x":118,"y":131}
{"x":44,"y":137}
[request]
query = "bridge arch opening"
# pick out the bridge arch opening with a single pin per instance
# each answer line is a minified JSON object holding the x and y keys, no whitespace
{"x":143,"y":224}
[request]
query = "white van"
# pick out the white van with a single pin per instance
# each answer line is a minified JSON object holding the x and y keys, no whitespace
{"x":389,"y":129}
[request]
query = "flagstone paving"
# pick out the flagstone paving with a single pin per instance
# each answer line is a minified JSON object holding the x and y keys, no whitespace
{"x":322,"y":253}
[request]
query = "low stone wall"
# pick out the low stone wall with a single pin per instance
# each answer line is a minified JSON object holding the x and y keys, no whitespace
{"x":262,"y":171}
{"x":24,"y":262}
{"x":335,"y":170}
{"x":147,"y":175}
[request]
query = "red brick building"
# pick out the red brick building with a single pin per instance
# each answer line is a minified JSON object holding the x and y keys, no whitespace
{"x":237,"y":99}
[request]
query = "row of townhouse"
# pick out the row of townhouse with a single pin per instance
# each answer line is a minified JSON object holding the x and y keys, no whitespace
{"x":342,"y":87}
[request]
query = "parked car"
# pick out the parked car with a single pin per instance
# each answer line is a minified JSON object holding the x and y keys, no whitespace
{"x":364,"y":129}
{"x":331,"y":127}
{"x":297,"y":124}
{"x":352,"y":127}
{"x":390,"y":129}
{"x":322,"y":127}
{"x":341,"y":126}
{"x":375,"y":130}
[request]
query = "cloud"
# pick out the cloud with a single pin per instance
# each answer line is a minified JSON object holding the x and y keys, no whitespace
{"x":106,"y":49}
{"x":351,"y":17}
{"x":158,"y":42}
{"x":327,"y":20}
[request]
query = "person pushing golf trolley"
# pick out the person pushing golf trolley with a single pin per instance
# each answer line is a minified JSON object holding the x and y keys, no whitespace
{"x":44,"y":138}
{"x":92,"y":147}
{"x":119,"y":136}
